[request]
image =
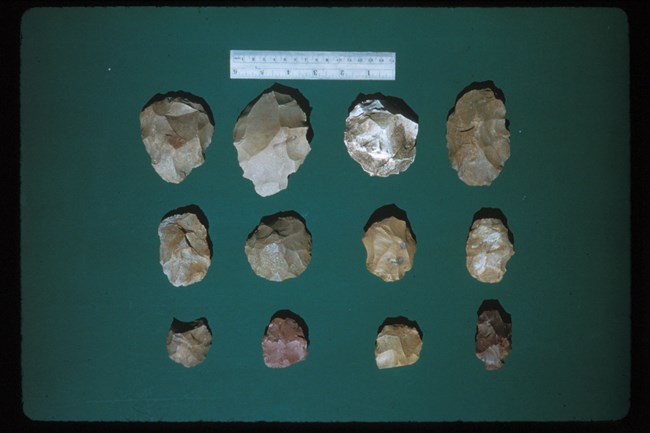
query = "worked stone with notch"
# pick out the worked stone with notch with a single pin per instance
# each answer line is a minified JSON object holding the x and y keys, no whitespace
{"x":284,"y":343}
{"x":390,"y":248}
{"x":279,"y":248}
{"x":271,"y":141}
{"x":478,"y":141}
{"x":184,"y":249}
{"x":176,"y":132}
{"x":493,"y":339}
{"x":188,"y":343}
{"x":380,"y":137}
{"x":397,"y":345}
{"x":488,"y":250}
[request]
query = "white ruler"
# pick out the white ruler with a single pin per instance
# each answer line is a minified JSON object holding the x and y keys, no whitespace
{"x":311,"y":65}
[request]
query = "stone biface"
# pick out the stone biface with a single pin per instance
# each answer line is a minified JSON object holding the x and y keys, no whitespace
{"x":188,"y":343}
{"x":493,"y":339}
{"x":488,"y":250}
{"x":478,"y":141}
{"x":397,"y":346}
{"x":390,"y":248}
{"x":271,"y":141}
{"x":176,"y":132}
{"x":284,"y":343}
{"x":279,"y":248}
{"x":380,"y":137}
{"x":184,"y":249}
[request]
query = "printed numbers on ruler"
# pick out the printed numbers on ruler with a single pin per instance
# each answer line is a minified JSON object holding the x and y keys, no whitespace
{"x":311,"y":65}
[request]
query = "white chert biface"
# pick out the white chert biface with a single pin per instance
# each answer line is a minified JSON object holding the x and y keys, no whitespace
{"x":380,"y":138}
{"x":280,"y":249}
{"x":397,"y":346}
{"x":488,"y":250}
{"x":184,"y":249}
{"x":271,"y":141}
{"x":390,"y":249}
{"x":175,"y":132}
{"x":189,"y":348}
{"x":478,"y":142}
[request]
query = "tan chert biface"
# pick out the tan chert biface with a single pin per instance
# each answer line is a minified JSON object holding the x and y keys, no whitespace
{"x":176,"y":132}
{"x":184,"y":249}
{"x":488,"y":250}
{"x":397,"y":346}
{"x":189,"y":346}
{"x":279,"y":249}
{"x":271,"y":141}
{"x":493,"y":339}
{"x":380,"y":138}
{"x":284,"y":343}
{"x":478,"y":141}
{"x":390,"y":249}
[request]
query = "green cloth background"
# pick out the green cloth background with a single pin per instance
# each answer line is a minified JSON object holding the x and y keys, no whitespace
{"x":96,"y":306}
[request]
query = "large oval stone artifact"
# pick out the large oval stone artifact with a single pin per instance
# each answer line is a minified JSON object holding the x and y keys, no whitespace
{"x":176,"y":132}
{"x":390,"y":248}
{"x":280,"y":247}
{"x":478,"y":141}
{"x":380,"y":134}
{"x":397,"y":345}
{"x":271,"y":141}
{"x":188,"y":343}
{"x":184,"y":248}
{"x":493,"y":341}
{"x":488,"y":250}
{"x":284,"y":343}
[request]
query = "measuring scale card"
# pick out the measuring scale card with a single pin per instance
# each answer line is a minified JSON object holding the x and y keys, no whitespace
{"x":311,"y":65}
